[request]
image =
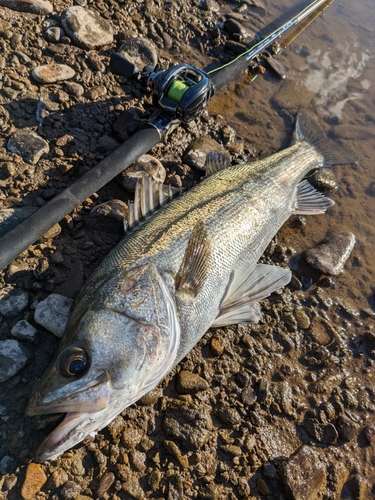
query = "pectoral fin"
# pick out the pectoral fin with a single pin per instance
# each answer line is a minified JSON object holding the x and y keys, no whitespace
{"x":215,"y":162}
{"x":241,"y":302}
{"x":195,"y":267}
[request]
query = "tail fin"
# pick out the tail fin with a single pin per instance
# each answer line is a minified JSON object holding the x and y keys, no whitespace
{"x":308,"y":130}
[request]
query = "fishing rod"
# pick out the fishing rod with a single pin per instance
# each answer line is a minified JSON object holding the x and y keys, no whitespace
{"x":180,"y":93}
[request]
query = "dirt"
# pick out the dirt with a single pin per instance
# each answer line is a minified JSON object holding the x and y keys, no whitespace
{"x":288,"y":408}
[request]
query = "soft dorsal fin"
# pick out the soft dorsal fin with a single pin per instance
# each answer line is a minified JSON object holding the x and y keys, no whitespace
{"x":309,"y":201}
{"x":149,"y":195}
{"x":216,"y":161}
{"x":241,"y":302}
{"x":195,"y":266}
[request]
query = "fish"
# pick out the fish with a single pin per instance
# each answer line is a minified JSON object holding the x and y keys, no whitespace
{"x":183,"y":268}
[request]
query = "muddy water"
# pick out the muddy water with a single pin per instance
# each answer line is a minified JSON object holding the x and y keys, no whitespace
{"x":331,"y":72}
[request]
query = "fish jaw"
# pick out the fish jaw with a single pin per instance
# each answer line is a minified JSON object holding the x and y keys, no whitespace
{"x":91,"y":397}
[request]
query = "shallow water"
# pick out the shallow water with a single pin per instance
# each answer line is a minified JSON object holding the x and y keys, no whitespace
{"x":331,"y":72}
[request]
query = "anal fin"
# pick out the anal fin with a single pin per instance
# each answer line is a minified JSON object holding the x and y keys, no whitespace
{"x":309,"y":201}
{"x":195,"y":266}
{"x":241,"y":302}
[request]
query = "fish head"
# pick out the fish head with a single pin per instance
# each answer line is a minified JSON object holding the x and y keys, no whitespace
{"x":112,"y":353}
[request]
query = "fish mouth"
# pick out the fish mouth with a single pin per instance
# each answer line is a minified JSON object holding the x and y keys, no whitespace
{"x":56,"y":442}
{"x":91,"y":398}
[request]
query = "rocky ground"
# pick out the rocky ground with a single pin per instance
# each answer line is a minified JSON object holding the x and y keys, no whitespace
{"x":282,"y":409}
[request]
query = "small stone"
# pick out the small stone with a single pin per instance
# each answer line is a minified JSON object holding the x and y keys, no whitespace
{"x":57,"y":479}
{"x":70,"y":490}
{"x":217,"y":345}
{"x":323,"y":179}
{"x":146,"y":164}
{"x":175,"y":451}
{"x":34,"y":481}
{"x":331,"y":254}
{"x":231,"y":449}
{"x":52,"y":232}
{"x":229,"y":415}
{"x":303,"y":321}
{"x":229,"y":134}
{"x":133,"y":488}
{"x":13,"y":358}
{"x":74,"y":89}
{"x":54,"y":34}
{"x":304,"y":474}
{"x":105,"y":483}
{"x":53,"y":313}
{"x":153,"y":479}
{"x":53,"y":72}
{"x":190,"y":383}
{"x":10,"y":482}
{"x":24,"y":331}
{"x":108,"y":217}
{"x":346,"y":428}
{"x":248,"y":397}
{"x":151,"y":397}
{"x":263,"y":487}
{"x":86,"y":27}
{"x":13,"y":302}
{"x":38,"y":7}
{"x":198,"y":149}
{"x":140,"y":52}
{"x":7,"y":170}
{"x":369,"y":433}
{"x":322,"y":433}
{"x":28,"y":145}
{"x":6,"y":464}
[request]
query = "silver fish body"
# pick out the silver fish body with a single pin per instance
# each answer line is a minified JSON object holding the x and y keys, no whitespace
{"x":189,"y":266}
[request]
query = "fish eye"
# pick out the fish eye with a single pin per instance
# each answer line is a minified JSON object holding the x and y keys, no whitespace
{"x":74,"y":363}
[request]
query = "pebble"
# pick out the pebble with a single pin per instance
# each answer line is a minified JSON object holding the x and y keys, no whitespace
{"x":108,"y":217}
{"x":74,"y":89}
{"x":53,"y":72}
{"x":303,"y":321}
{"x":369,"y":433}
{"x":347,"y":428}
{"x":323,"y":179}
{"x":229,"y":416}
{"x":54,"y":34}
{"x":198,"y":149}
{"x":28,"y":144}
{"x":133,"y":488}
{"x":86,"y":27}
{"x":53,"y":313}
{"x":32,"y":6}
{"x":304,"y":474}
{"x":190,"y":383}
{"x":322,"y":433}
{"x":13,"y":302}
{"x":70,"y":490}
{"x":146,"y":164}
{"x":7,"y":170}
{"x":189,"y":424}
{"x":13,"y":358}
{"x":140,"y":52}
{"x":217,"y":345}
{"x":34,"y":481}
{"x":330,"y":255}
{"x":24,"y":331}
{"x":175,"y":451}
{"x":57,"y":479}
{"x":105,"y":483}
{"x":6,"y":464}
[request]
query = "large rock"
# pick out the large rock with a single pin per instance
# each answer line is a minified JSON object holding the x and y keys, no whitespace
{"x":13,"y":358}
{"x":53,"y":313}
{"x":86,"y":28}
{"x":28,"y":145}
{"x":304,"y":474}
{"x":332,"y":253}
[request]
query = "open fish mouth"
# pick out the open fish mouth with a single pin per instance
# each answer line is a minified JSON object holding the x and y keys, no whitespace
{"x":67,"y":430}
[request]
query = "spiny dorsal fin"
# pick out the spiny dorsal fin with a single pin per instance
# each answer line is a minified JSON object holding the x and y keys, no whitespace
{"x":309,"y":201}
{"x":149,"y":195}
{"x":251,"y":284}
{"x":216,"y":161}
{"x":195,"y":266}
